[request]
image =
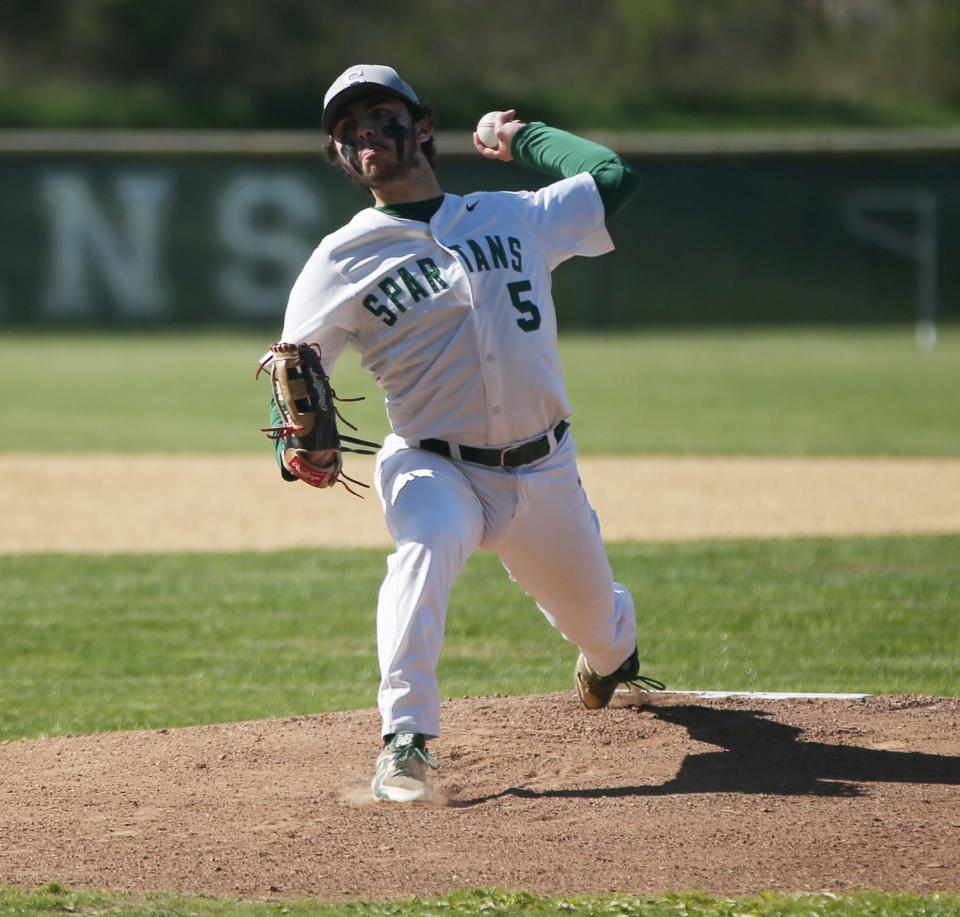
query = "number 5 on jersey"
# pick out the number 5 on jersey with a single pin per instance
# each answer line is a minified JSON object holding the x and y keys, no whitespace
{"x":517,"y":288}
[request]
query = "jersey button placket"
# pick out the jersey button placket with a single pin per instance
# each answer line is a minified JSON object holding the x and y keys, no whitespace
{"x":492,"y":377}
{"x":492,"y":391}
{"x":490,"y":368}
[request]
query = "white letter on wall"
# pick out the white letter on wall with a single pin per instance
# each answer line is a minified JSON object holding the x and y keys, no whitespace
{"x":127,"y":251}
{"x":264,"y":221}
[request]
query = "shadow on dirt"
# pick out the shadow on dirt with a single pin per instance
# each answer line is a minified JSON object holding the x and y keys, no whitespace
{"x":761,"y":755}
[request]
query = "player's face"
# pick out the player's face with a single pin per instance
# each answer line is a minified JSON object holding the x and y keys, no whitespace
{"x":376,"y":140}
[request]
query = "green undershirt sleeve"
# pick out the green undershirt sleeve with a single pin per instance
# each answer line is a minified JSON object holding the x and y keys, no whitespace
{"x":562,"y":155}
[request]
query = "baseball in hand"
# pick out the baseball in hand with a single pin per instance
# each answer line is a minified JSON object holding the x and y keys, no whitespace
{"x":486,"y":129}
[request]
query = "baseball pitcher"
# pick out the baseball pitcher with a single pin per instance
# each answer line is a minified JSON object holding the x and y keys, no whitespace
{"x":447,"y":300}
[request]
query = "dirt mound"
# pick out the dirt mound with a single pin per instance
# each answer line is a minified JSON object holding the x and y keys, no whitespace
{"x":730,"y":795}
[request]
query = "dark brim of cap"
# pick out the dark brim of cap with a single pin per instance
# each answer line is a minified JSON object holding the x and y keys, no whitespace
{"x":333,"y":107}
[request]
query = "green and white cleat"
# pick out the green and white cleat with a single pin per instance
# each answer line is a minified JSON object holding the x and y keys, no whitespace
{"x":403,"y":768}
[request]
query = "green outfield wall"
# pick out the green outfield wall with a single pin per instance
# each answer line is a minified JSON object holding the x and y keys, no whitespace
{"x":133,"y":229}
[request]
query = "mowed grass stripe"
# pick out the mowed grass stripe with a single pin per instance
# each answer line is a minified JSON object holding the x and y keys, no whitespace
{"x":56,"y":897}
{"x":96,"y":643}
{"x":835,"y":391}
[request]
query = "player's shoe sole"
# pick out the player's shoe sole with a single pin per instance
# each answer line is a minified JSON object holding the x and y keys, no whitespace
{"x":595,"y":691}
{"x":402,"y":770}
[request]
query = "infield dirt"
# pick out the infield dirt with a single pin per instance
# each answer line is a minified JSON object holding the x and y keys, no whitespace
{"x":665,"y":792}
{"x":123,"y":503}
{"x":728,"y":796}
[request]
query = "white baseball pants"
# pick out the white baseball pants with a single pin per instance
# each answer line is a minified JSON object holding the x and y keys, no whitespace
{"x":536,"y":518}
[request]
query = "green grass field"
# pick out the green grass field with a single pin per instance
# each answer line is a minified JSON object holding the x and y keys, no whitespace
{"x":117,"y":642}
{"x":98,"y":643}
{"x":55,"y":898}
{"x":774,"y":392}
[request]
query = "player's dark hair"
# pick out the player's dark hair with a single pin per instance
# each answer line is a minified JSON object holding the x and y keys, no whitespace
{"x":417,"y":113}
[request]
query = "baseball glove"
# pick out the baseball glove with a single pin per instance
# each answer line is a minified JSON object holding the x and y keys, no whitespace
{"x":313,"y":447}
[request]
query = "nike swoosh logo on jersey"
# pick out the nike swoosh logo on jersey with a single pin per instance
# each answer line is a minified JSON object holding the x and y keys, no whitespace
{"x":471,"y":206}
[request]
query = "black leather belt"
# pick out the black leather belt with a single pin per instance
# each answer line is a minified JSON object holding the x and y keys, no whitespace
{"x":511,"y":457}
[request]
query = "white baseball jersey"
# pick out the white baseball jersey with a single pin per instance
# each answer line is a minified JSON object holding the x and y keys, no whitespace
{"x":454,"y":318}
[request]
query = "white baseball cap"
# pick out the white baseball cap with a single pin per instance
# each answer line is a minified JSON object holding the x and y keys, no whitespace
{"x":358,"y":79}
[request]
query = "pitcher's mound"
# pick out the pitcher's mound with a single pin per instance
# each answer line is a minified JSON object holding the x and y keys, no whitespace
{"x":666,"y":792}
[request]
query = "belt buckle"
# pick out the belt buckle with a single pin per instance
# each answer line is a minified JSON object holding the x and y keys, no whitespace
{"x":506,"y":452}
{"x":540,"y":444}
